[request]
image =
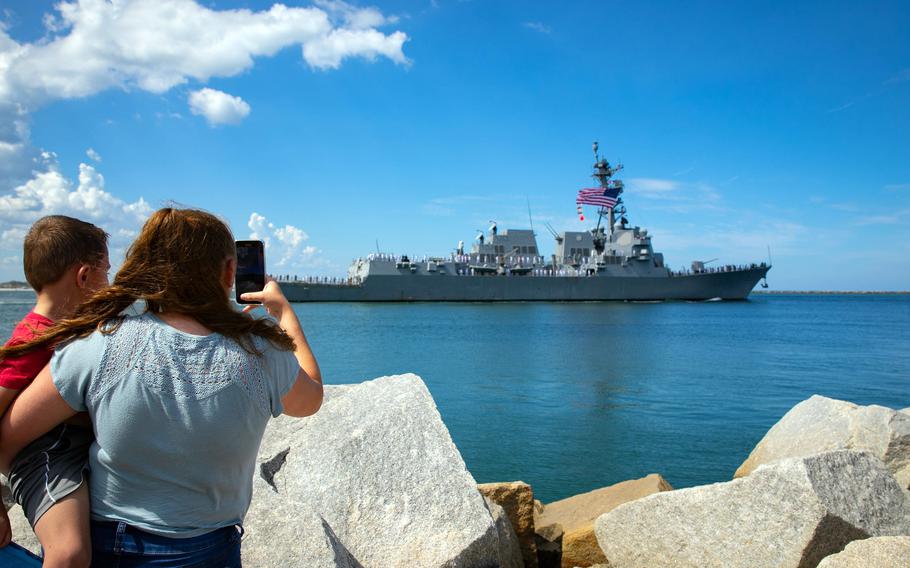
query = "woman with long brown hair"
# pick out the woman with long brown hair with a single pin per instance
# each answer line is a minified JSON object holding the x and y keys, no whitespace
{"x":179,"y":396}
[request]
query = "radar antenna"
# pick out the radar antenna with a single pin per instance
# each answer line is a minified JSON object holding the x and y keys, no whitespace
{"x":603,"y":172}
{"x":530,"y":220}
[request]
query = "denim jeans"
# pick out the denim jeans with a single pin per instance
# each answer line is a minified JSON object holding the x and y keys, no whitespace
{"x":118,"y":545}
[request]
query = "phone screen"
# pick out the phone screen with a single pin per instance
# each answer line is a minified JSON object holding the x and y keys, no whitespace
{"x":250,"y":275}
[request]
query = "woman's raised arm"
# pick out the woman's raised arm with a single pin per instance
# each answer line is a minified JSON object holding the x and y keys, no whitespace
{"x":305,"y":397}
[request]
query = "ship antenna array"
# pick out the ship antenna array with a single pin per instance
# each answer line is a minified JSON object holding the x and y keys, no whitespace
{"x":602,"y":173}
{"x":530,"y":220}
{"x":551,"y":229}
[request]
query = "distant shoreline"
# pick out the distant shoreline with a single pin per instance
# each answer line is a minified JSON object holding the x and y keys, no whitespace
{"x":831,"y":292}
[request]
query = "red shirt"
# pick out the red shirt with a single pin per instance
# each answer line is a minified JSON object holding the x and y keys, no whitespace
{"x":19,"y":372}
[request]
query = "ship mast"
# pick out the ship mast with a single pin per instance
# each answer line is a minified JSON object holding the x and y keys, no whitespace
{"x":602,"y":173}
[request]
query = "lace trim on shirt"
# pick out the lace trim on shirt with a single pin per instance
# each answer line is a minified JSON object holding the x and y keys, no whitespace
{"x":177,"y":365}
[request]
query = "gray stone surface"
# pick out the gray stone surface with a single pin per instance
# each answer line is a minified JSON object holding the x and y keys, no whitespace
{"x":517,"y":500}
{"x":509,"y":548}
{"x":377,"y":471}
{"x":791,"y":513}
{"x":876,"y":552}
{"x":821,"y":424}
{"x":22,"y":531}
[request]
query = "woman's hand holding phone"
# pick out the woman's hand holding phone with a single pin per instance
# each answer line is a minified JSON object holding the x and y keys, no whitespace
{"x":271,"y":298}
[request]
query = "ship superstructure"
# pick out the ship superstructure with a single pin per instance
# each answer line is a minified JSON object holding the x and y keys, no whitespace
{"x":612,"y":261}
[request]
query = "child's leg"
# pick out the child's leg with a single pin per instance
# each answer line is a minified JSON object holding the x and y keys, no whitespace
{"x":64,"y":531}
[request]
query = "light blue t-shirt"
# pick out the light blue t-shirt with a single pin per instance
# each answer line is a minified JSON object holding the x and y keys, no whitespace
{"x":178,"y":419}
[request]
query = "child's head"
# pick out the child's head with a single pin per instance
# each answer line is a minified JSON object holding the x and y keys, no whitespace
{"x":60,"y":249}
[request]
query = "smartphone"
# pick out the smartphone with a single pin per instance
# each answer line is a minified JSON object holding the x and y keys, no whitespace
{"x":250,"y":274}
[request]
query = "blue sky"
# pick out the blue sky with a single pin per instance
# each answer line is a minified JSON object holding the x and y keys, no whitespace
{"x":740,"y":125}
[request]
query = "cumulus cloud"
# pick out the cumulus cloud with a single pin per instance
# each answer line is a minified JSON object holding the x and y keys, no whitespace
{"x":93,"y":155}
{"x":286,"y":247}
{"x":328,"y":51}
{"x":155,"y":45}
{"x":354,"y":17}
{"x":218,"y":107}
{"x":90,"y":46}
{"x":50,"y":192}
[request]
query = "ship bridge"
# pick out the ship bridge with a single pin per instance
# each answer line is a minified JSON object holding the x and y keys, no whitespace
{"x":508,"y":243}
{"x":617,"y":247}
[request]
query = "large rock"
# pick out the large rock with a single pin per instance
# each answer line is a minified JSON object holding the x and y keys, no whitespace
{"x":577,"y":514}
{"x":509,"y":549}
{"x":374,"y":480}
{"x":878,"y":552}
{"x":517,"y":499}
{"x":549,"y":545}
{"x":821,"y":424}
{"x":788,"y":514}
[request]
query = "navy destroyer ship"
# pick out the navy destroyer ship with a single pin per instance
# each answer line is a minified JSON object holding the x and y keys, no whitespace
{"x":612,"y":261}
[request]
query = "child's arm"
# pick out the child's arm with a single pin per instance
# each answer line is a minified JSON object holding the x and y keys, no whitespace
{"x":7,"y":396}
{"x":6,"y":531}
{"x":38,"y":409}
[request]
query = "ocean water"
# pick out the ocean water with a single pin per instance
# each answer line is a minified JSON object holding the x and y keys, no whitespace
{"x":572,"y":397}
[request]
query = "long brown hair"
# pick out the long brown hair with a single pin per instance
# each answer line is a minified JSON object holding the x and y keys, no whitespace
{"x":176,"y":264}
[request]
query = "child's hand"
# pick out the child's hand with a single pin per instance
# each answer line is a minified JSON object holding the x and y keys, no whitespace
{"x":6,"y":533}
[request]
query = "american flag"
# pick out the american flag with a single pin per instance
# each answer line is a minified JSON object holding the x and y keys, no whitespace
{"x":598,"y":196}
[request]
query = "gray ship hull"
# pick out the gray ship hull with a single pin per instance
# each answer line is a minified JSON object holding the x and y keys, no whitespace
{"x":730,"y":285}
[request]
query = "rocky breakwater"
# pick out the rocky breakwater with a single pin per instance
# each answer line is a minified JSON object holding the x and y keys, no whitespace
{"x":576,"y":515}
{"x":821,"y":424}
{"x":374,"y":480}
{"x":827,"y":476}
{"x":791,"y":513}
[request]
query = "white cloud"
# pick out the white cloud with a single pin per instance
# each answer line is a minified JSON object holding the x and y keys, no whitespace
{"x":328,"y":51}
{"x":12,"y":238}
{"x":354,"y":17}
{"x":538,"y":27}
{"x":651,"y":187}
{"x":93,"y":155}
{"x":155,"y":45}
{"x":152,"y":45}
{"x":218,"y":107}
{"x":675,"y":196}
{"x":286,"y":250}
{"x":51,"y":193}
